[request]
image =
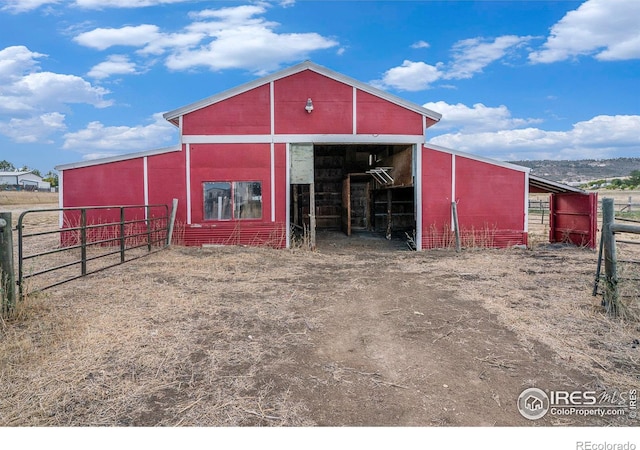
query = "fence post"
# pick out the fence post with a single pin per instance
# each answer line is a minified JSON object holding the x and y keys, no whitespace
{"x":172,"y":221}
{"x":456,"y":228}
{"x":123,"y":242}
{"x":610,"y":296}
{"x":7,"y":275}
{"x":148,"y":216}
{"x":83,"y":241}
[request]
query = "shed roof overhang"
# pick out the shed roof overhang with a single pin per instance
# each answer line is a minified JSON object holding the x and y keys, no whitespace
{"x":542,"y":185}
{"x":173,"y":116}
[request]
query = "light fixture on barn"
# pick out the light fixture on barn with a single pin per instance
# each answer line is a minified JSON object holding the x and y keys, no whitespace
{"x":309,"y":106}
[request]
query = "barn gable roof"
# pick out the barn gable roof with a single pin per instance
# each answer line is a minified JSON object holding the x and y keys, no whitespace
{"x":172,"y":116}
{"x":483,"y":159}
{"x":117,"y":158}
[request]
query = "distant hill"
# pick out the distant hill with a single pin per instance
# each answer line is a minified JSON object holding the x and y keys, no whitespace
{"x":581,"y":170}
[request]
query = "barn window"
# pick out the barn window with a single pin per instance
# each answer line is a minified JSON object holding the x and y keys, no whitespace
{"x":232,"y":200}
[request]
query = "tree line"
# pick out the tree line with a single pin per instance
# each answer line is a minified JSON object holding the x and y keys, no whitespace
{"x":51,"y":176}
{"x":630,"y":182}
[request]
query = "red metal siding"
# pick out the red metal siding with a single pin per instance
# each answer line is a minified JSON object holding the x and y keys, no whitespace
{"x":246,"y":113}
{"x":378,"y":116}
{"x":236,"y":162}
{"x":332,"y":103}
{"x":166,"y":180}
{"x":112,"y":184}
{"x":436,"y":198}
{"x":271,"y":234}
{"x":574,"y":218}
{"x":116,"y":183}
{"x":490,"y":203}
{"x":229,"y":162}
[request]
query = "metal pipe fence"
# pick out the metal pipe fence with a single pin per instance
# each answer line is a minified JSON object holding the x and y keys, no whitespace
{"x":90,"y":239}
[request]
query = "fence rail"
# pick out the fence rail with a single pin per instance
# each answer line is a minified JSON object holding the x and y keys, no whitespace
{"x":84,"y":244}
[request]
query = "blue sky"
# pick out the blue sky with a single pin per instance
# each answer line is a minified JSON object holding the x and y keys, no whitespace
{"x":514,"y":80}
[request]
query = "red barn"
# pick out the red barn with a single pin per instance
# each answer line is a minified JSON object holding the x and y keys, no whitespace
{"x":309,"y":148}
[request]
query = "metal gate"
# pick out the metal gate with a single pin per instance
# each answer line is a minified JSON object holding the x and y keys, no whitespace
{"x":573,"y":218}
{"x":86,"y":240}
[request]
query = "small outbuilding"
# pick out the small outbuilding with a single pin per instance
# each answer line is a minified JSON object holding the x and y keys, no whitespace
{"x":23,"y":180}
{"x":308,"y":148}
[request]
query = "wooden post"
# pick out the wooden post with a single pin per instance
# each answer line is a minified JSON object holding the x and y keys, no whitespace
{"x":7,"y":275}
{"x":598,"y":267}
{"x":172,"y":220}
{"x":456,"y":229}
{"x":611,"y":298}
{"x":389,"y":213}
{"x":296,"y":218}
{"x":312,"y":215}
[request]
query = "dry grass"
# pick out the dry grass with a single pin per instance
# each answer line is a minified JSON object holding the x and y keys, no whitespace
{"x":187,"y":336}
{"x":112,"y":351}
{"x":10,"y":198}
{"x":545,"y":296}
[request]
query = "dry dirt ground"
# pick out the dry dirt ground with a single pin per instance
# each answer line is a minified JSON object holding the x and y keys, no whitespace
{"x":360,"y":332}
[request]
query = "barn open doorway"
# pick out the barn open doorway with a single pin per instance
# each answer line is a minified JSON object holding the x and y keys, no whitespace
{"x":358,"y":189}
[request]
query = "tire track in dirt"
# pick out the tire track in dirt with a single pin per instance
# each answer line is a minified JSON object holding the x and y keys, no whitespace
{"x":395,"y":348}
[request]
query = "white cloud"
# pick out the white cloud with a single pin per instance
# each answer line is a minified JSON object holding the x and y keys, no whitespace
{"x":420,"y":44}
{"x":410,"y":76}
{"x":599,"y":137}
{"x":236,"y":37}
{"x":98,"y":138}
{"x":470,"y":56}
{"x":103,"y":38}
{"x":20,"y":6}
{"x":114,"y":65}
{"x":606,"y":29}
{"x":52,"y":90}
{"x":33,"y":129}
{"x":232,"y":37}
{"x":24,"y":89}
{"x":31,"y":100}
{"x":101,"y":4}
{"x":477,"y":118}
{"x":16,"y":61}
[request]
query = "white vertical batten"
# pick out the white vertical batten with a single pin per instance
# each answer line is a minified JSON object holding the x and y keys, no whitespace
{"x":272,"y":120}
{"x":145,"y":187}
{"x":273,"y":182}
{"x":418,"y":193}
{"x":61,"y":198}
{"x":187,"y":158}
{"x":424,"y":128}
{"x":272,"y":109}
{"x":354,"y":112}
{"x":526,"y":202}
{"x":453,"y":186}
{"x":288,"y":197}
